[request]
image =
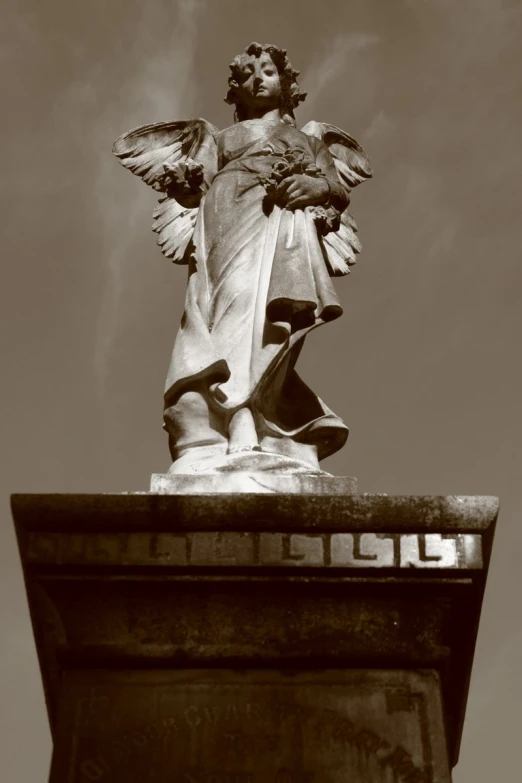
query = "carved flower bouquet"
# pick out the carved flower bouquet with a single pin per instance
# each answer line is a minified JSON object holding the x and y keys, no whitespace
{"x":181,"y":180}
{"x":295,"y":161}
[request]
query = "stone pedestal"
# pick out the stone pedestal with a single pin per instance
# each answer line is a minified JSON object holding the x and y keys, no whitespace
{"x":255,"y":637}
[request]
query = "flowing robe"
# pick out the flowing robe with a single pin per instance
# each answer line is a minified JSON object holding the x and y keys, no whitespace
{"x":258,"y":283}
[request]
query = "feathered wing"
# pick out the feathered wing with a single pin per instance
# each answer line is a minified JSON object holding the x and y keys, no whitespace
{"x":148,"y":151}
{"x":353,"y":167}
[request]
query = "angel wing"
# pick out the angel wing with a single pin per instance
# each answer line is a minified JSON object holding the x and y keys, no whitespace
{"x":151,"y":152}
{"x":353,"y":167}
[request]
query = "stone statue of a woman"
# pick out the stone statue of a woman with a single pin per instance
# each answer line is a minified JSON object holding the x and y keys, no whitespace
{"x":258,"y":213}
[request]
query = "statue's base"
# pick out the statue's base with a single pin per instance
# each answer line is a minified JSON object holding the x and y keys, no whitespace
{"x":249,"y":638}
{"x":215,"y":459}
{"x":235,"y":482}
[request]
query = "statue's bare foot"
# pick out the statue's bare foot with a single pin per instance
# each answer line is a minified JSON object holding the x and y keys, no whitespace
{"x":242,"y":432}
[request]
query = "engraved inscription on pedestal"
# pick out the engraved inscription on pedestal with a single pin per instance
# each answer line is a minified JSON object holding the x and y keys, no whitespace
{"x":252,"y":727}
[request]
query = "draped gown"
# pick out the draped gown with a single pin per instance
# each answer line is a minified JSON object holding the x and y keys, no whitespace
{"x":258,"y":283}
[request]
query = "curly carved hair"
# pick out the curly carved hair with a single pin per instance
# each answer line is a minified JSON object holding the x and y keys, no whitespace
{"x":291,"y":95}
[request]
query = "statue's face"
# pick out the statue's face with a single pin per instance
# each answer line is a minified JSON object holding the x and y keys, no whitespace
{"x":259,"y":84}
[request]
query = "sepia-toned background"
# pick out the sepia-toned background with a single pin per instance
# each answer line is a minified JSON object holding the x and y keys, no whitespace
{"x":424,"y":366}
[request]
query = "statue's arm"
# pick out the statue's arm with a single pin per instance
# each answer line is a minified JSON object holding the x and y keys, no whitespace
{"x":345,"y":165}
{"x":339,"y":194}
{"x":187,"y":180}
{"x":179,"y":160}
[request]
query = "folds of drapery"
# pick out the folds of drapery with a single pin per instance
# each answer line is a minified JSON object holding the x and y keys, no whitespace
{"x":258,"y":283}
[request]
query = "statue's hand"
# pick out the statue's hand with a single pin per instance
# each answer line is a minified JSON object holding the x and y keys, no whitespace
{"x":299,"y":191}
{"x":181,"y":179}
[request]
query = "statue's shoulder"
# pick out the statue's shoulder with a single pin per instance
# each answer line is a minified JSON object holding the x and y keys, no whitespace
{"x":312,"y":141}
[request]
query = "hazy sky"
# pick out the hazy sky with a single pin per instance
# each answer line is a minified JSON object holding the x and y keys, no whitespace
{"x":424,"y":366}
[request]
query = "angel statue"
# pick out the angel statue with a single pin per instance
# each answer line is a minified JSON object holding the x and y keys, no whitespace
{"x":258,"y":214}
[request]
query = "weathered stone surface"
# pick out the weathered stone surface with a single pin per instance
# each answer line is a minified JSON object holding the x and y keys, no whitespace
{"x":461,"y":551}
{"x":287,"y":582}
{"x":236,"y":481}
{"x":125,"y":512}
{"x":251,"y":727}
{"x":258,"y":212}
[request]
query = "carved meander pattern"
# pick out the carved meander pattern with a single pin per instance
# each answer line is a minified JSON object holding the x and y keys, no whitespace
{"x":234,"y":549}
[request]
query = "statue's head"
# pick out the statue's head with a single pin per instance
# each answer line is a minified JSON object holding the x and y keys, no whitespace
{"x":263,"y":79}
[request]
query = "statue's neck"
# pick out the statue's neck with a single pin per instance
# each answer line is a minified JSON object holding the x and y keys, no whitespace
{"x":273,"y":116}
